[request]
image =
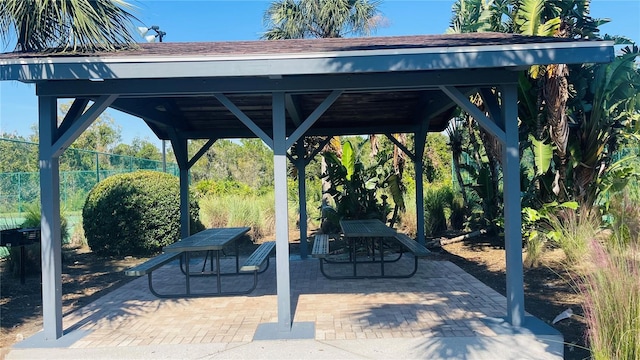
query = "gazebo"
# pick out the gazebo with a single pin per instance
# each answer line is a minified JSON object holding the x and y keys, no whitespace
{"x":280,"y":92}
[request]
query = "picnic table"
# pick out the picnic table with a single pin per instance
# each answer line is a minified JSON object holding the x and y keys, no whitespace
{"x":373,"y":233}
{"x":212,"y":242}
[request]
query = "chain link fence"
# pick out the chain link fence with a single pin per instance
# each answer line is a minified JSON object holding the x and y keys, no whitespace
{"x":80,"y":171}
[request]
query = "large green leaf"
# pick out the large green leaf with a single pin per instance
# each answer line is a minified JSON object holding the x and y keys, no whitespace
{"x":396,"y":191}
{"x":348,"y":159}
{"x":542,"y":155}
{"x":529,"y":19}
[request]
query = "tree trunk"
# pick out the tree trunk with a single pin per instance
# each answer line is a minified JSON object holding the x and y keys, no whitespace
{"x":556,"y":93}
{"x":456,"y":168}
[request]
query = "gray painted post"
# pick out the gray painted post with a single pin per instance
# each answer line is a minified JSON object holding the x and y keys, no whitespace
{"x":512,"y":207}
{"x":302,"y":197}
{"x":281,"y":213}
{"x":182,"y":158}
{"x":185,"y":218}
{"x":419,"y":140}
{"x":51,"y":244}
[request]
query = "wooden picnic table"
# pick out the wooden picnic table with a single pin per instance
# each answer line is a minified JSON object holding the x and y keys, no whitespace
{"x":371,"y":231}
{"x":368,"y":230}
{"x":213,"y":241}
{"x":365,"y":228}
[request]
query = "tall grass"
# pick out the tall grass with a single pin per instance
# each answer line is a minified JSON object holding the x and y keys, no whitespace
{"x":534,"y":247}
{"x":573,"y":230}
{"x":255,"y":211}
{"x":408,"y":220}
{"x":611,"y":290}
{"x":607,"y":265}
{"x":626,"y":215}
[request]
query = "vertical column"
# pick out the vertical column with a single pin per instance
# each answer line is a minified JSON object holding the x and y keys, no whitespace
{"x":302,"y":196}
{"x":51,"y":243}
{"x":512,"y":207}
{"x":183,"y":164}
{"x":185,"y":218}
{"x":281,"y":213}
{"x":419,"y":154}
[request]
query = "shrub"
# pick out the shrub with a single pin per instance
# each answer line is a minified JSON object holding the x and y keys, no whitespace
{"x":221,"y":187}
{"x":135,"y":214}
{"x":437,"y":201}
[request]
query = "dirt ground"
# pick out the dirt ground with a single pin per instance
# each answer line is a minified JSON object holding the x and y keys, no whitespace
{"x":86,"y":277}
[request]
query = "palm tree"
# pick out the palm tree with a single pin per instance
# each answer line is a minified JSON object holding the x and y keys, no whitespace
{"x":63,"y":25}
{"x":455,"y":136}
{"x":298,"y":19}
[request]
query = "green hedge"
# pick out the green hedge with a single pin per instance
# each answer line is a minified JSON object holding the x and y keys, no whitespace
{"x":135,"y":214}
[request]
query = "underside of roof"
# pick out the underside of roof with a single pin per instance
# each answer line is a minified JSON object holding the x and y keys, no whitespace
{"x":204,"y":117}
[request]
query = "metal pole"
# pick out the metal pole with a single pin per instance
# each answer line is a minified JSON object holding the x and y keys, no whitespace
{"x":164,"y":157}
{"x":97,"y":169}
{"x":419,"y":154}
{"x":19,"y":193}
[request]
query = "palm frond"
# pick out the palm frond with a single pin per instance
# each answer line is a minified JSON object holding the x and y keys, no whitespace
{"x":296,"y":19}
{"x":284,"y":20}
{"x":63,"y":25}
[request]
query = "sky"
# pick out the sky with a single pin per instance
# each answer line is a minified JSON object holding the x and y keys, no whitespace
{"x":216,"y":20}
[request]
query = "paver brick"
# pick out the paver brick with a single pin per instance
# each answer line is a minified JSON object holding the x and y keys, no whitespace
{"x":440,"y":300}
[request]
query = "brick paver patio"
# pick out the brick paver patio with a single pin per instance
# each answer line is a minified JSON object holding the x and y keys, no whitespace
{"x":441,"y":300}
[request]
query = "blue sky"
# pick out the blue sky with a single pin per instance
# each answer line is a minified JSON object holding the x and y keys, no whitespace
{"x":211,"y":20}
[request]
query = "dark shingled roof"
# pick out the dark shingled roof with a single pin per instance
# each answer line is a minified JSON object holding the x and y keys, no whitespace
{"x":307,"y":45}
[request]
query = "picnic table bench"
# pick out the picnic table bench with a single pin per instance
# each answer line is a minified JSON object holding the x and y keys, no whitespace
{"x":210,"y":240}
{"x":147,"y":267}
{"x":320,"y":246}
{"x":413,"y":246}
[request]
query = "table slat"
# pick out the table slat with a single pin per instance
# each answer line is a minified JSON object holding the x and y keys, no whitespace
{"x":209,"y":239}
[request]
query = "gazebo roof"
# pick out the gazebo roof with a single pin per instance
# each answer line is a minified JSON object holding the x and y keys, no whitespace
{"x":387,"y":84}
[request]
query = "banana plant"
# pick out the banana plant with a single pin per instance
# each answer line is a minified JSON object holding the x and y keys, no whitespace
{"x":356,"y":189}
{"x":604,"y":113}
{"x":542,"y":155}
